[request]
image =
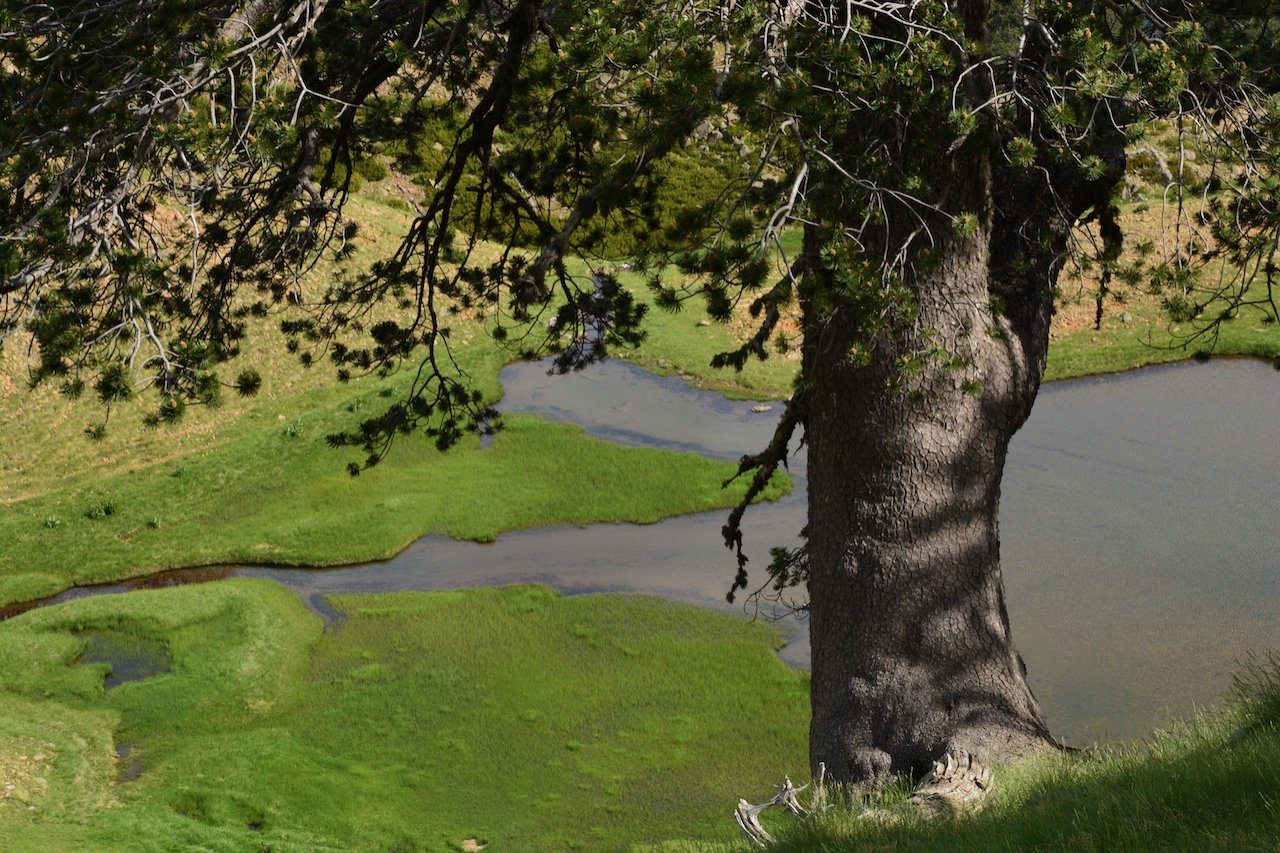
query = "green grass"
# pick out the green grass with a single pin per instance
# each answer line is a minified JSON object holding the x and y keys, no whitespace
{"x":684,"y":342}
{"x":1148,"y":338}
{"x":1212,"y":783}
{"x":1135,"y":332}
{"x":679,"y":344}
{"x":514,"y":716}
{"x":253,"y":481}
{"x":267,"y":497}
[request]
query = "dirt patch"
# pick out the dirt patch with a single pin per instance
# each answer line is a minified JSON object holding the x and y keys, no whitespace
{"x":24,"y":771}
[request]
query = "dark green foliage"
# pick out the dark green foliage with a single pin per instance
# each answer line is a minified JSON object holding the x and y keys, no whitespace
{"x":162,"y":205}
{"x":248,"y":383}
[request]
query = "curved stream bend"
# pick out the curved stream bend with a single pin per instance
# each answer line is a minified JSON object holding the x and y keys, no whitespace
{"x":1138,"y":522}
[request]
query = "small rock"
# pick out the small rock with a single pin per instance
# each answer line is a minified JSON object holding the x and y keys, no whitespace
{"x":704,"y":322}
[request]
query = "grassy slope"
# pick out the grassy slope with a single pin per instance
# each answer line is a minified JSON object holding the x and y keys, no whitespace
{"x":1212,"y":783}
{"x":266,"y":497}
{"x":678,"y":344}
{"x":252,"y":480}
{"x":1135,"y":332}
{"x":515,"y":716}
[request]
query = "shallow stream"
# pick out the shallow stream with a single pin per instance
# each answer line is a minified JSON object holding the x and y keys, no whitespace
{"x":1139,"y":527}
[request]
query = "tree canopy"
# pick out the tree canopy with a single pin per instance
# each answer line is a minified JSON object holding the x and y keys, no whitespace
{"x":170,"y":168}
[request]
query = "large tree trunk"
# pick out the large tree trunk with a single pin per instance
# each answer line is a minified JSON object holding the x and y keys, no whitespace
{"x":912,"y":651}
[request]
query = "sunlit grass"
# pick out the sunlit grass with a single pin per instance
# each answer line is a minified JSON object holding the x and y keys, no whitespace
{"x":266,"y":497}
{"x":514,"y":716}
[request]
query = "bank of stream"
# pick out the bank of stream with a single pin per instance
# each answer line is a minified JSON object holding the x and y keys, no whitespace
{"x":1138,"y":525}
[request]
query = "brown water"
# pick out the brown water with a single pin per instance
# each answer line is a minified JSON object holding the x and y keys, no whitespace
{"x":1139,"y":524}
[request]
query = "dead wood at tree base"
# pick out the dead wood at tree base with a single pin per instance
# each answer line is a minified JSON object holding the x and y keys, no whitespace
{"x":958,"y":784}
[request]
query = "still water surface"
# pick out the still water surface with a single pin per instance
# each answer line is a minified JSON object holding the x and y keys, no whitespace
{"x":1139,"y":527}
{"x":1139,"y":523}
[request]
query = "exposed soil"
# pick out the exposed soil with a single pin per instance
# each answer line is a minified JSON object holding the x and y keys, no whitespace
{"x":24,"y":771}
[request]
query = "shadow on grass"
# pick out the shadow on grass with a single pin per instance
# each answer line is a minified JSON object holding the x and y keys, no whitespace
{"x":1210,"y":784}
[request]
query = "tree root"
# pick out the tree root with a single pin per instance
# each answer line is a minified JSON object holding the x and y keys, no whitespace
{"x":959,"y":783}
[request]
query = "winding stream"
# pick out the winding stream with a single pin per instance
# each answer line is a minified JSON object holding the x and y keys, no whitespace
{"x":1139,"y":524}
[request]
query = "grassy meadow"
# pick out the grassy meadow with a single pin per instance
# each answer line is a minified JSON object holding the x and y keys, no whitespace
{"x":514,"y":717}
{"x":518,"y":719}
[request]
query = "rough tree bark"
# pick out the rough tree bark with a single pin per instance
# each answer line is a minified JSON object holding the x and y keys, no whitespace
{"x":912,"y":650}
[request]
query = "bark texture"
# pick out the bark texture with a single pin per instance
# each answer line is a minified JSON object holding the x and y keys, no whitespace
{"x":912,"y":648}
{"x":913,"y":655}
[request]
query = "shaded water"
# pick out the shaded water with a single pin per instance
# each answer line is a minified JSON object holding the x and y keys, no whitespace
{"x":130,"y":658}
{"x":1138,"y":524}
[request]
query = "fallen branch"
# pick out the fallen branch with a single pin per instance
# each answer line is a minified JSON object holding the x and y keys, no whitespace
{"x":748,"y":816}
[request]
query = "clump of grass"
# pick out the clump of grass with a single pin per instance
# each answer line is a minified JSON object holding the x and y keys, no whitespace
{"x":100,"y":510}
{"x":1255,"y":693}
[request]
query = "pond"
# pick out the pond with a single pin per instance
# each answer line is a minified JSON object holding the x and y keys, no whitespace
{"x":1138,"y":524}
